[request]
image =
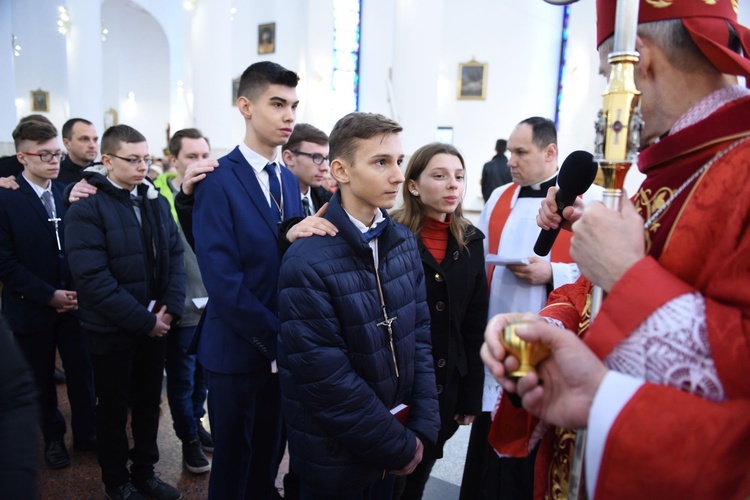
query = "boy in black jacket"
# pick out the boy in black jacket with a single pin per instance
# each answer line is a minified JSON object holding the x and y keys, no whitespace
{"x":126,"y":259}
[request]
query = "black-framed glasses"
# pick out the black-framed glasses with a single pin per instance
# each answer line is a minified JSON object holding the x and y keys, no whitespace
{"x":135,"y":161}
{"x":46,"y":156}
{"x":317,"y":158}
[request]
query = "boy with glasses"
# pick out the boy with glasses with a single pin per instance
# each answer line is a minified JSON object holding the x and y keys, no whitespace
{"x":38,"y":296}
{"x":306,"y":155}
{"x":126,"y":257}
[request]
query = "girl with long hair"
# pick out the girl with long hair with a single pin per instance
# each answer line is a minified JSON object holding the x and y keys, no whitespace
{"x":453,"y":259}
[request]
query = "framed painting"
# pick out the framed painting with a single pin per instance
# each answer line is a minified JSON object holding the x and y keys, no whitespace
{"x":472,"y":80}
{"x":267,"y":38}
{"x":40,"y":100}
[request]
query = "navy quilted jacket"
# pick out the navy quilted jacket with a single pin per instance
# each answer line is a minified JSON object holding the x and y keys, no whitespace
{"x":338,"y":379}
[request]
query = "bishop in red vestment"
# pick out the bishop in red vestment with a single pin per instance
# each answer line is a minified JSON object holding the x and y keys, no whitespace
{"x":677,"y":314}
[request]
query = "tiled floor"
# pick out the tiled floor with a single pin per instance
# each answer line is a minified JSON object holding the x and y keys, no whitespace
{"x":82,"y":480}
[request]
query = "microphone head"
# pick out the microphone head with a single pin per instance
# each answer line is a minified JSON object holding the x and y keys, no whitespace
{"x":577,"y":172}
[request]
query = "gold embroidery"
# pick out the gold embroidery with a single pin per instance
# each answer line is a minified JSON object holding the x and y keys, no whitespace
{"x":647,"y":203}
{"x":660,"y":4}
{"x":559,"y":469}
{"x":585,"y":316}
{"x":736,"y":6}
{"x":710,"y":2}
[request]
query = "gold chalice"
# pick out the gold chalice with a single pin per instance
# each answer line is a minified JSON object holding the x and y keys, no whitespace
{"x":529,"y":354}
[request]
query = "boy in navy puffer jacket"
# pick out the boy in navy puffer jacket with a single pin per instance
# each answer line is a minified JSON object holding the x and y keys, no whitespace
{"x":355,"y":339}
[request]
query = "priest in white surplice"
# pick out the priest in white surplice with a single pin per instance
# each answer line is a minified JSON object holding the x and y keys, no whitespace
{"x":519,"y":282}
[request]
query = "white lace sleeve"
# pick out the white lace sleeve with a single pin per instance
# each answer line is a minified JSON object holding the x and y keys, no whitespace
{"x":671,"y":348}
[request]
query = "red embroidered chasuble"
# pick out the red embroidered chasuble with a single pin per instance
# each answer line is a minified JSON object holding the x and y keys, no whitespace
{"x":701,"y":242}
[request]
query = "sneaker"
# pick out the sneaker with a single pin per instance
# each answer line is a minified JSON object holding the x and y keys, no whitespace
{"x":123,"y":492}
{"x":157,"y":489}
{"x":193,"y":457}
{"x":205,"y":437}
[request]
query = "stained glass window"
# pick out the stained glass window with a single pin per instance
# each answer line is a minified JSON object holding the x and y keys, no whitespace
{"x":563,"y":61}
{"x":346,"y":36}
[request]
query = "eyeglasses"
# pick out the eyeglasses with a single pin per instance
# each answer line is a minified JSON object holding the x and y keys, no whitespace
{"x":317,"y":158}
{"x":135,"y":161}
{"x":47,"y":157}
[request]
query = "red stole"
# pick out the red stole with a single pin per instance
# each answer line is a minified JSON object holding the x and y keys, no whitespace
{"x":500,"y":214}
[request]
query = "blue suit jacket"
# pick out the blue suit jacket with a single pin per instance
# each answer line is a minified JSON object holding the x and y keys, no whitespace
{"x":31,"y":267}
{"x":237,"y":245}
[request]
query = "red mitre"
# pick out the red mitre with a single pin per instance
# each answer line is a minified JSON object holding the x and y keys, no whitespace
{"x":707,"y":21}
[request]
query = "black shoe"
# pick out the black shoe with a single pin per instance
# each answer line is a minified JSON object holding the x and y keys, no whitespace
{"x":207,"y":442}
{"x":193,"y":457}
{"x":123,"y":492}
{"x":59,"y":376}
{"x":85,"y":444}
{"x":56,"y":454}
{"x":157,"y":489}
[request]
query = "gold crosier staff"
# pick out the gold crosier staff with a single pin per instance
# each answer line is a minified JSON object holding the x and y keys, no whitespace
{"x":618,"y":131}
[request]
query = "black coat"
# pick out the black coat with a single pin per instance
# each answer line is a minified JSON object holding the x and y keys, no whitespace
{"x":320,"y":196}
{"x":115,"y":276}
{"x":457,"y":297}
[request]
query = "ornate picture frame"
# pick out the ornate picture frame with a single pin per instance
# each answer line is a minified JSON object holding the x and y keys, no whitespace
{"x":472,"y":80}
{"x":267,"y":38}
{"x":40,"y":101}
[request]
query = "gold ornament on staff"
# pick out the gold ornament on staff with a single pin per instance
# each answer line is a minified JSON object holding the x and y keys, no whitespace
{"x":618,"y":135}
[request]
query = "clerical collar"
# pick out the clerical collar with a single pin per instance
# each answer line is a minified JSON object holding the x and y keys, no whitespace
{"x":538,"y":190}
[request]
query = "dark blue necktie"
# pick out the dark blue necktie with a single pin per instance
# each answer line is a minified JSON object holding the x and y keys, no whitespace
{"x":274,"y":189}
{"x":306,"y":206}
{"x":375,"y":232}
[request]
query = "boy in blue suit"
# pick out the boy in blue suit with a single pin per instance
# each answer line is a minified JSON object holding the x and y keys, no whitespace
{"x":239,"y":208}
{"x":38,"y":296}
{"x":355,"y":330}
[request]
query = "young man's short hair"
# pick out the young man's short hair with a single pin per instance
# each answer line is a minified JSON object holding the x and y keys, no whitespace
{"x":33,"y":130}
{"x":358,"y":126}
{"x":36,"y":117}
{"x":67,"y":130}
{"x":117,"y":134}
{"x":257,"y":77}
{"x":304,"y":132}
{"x":175,"y":143}
{"x":543,"y":131}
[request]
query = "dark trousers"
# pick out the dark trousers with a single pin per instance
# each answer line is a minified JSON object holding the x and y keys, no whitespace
{"x":244,"y":411}
{"x":411,"y":487}
{"x":186,"y":388}
{"x":39,"y":350}
{"x":489,"y":477}
{"x":141,"y":368}
{"x":381,"y":490}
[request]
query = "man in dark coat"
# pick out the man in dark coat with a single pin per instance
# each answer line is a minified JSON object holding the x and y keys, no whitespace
{"x":496,"y":172}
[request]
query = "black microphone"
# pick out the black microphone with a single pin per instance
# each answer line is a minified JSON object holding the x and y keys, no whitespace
{"x":577,"y":173}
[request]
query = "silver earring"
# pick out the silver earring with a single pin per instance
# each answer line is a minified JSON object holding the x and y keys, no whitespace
{"x":415,"y":193}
